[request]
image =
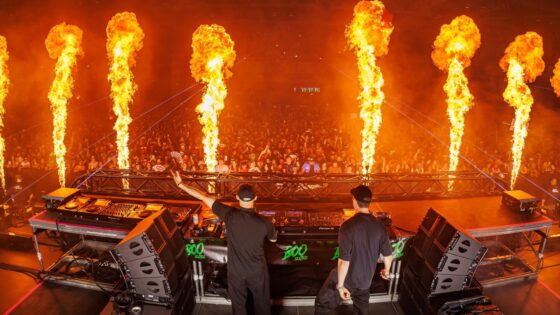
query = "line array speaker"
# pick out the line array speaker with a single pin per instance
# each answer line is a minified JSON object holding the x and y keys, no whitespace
{"x":442,"y":261}
{"x":152,"y":258}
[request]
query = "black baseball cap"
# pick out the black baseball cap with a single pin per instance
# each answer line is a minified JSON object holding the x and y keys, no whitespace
{"x":361,"y":193}
{"x":246,"y":193}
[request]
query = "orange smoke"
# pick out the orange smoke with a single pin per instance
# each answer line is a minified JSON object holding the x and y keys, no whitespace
{"x":124,"y":40}
{"x":211,"y":62}
{"x":453,"y":49}
{"x":63,"y":44}
{"x":4,"y":85}
{"x":368,"y":36}
{"x":555,"y":80}
{"x":523,"y":63}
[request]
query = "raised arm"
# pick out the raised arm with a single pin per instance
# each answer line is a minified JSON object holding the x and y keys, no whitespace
{"x":200,"y":195}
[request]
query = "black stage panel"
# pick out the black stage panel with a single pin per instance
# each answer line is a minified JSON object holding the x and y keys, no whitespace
{"x":54,"y":299}
{"x":385,"y":308}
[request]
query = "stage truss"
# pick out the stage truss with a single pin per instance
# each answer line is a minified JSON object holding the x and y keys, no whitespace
{"x":293,"y":187}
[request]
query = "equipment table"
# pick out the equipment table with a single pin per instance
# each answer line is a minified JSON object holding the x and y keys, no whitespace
{"x":50,"y":221}
{"x":516,"y":240}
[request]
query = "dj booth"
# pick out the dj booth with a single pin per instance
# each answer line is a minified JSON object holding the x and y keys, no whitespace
{"x":104,"y":216}
{"x":299,"y":261}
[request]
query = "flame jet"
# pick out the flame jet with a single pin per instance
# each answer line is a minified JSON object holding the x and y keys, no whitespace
{"x":523,"y":63}
{"x":454,"y":47}
{"x":4,"y":85}
{"x":124,"y":40}
{"x":63,"y":44}
{"x":368,"y":36}
{"x":555,"y":80}
{"x":211,"y":62}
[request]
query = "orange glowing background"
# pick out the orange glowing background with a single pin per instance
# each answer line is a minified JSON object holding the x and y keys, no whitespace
{"x":282,"y":45}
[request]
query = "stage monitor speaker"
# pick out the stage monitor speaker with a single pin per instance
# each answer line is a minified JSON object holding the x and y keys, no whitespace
{"x":181,"y":263}
{"x":407,"y":302}
{"x":450,"y":264}
{"x":460,"y":243}
{"x":430,"y":219}
{"x":453,"y":273}
{"x":176,"y":241}
{"x":182,"y":302}
{"x":422,"y":240}
{"x":414,"y":298}
{"x":431,"y":226}
{"x":149,"y":288}
{"x":438,"y":283}
{"x":443,"y":257}
{"x":436,"y":237}
{"x":152,"y":266}
{"x":165,"y":221}
{"x":153,"y":258}
{"x":173,"y":235}
{"x":143,"y":241}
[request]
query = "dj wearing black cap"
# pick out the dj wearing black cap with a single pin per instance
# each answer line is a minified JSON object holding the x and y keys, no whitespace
{"x":246,"y":266}
{"x":360,"y":239}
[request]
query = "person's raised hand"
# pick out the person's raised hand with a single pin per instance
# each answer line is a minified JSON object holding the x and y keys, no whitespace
{"x":176,"y":177}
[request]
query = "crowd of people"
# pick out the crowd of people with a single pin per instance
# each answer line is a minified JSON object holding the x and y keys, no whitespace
{"x":279,"y":142}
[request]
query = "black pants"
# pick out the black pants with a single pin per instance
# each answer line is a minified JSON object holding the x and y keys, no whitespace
{"x":328,"y":297}
{"x":258,"y":284}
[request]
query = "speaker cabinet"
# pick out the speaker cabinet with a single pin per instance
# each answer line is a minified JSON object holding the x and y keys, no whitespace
{"x":143,"y":241}
{"x":453,"y":241}
{"x":152,"y":266}
{"x":155,"y":287}
{"x":153,"y":257}
{"x":414,"y":299}
{"x":443,"y":258}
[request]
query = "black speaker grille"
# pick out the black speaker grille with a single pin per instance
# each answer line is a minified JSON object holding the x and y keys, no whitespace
{"x":165,"y":222}
{"x":429,"y":220}
{"x":446,"y":235}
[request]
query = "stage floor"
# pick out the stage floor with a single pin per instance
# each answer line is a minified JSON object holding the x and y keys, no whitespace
{"x":540,"y":296}
{"x":377,"y":308}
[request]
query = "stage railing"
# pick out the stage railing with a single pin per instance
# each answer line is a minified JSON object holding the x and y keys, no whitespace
{"x":293,"y":187}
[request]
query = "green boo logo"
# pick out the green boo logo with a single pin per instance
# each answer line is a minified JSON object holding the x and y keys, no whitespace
{"x":296,"y":252}
{"x":196,"y":250}
{"x":397,"y":247}
{"x":336,"y":254}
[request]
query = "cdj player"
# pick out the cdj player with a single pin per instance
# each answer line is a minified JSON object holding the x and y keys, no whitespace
{"x":103,"y":210}
{"x":107,"y":210}
{"x":305,"y":221}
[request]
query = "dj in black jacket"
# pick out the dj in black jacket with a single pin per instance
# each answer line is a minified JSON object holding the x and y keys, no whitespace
{"x":246,"y":264}
{"x":360,"y":239}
